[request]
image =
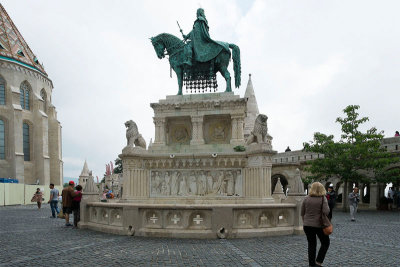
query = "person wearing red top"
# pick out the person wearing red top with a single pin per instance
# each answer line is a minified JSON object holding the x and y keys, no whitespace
{"x":397,"y":133}
{"x":76,"y":203}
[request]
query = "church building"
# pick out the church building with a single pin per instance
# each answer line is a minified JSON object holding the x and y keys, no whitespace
{"x":30,"y":134}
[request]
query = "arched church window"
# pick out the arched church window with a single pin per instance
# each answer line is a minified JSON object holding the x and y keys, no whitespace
{"x":2,"y":91}
{"x":24,"y":99}
{"x":2,"y":140}
{"x":26,"y":142}
{"x":43,"y":95}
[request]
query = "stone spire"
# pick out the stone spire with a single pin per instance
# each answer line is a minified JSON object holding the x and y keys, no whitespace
{"x":13,"y":46}
{"x":85,"y":170}
{"x":252,"y":108}
{"x":85,"y":175}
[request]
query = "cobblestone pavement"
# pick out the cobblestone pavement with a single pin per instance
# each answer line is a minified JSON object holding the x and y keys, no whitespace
{"x":28,"y":237}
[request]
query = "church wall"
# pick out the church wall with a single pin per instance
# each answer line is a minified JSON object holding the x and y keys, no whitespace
{"x":45,"y":133}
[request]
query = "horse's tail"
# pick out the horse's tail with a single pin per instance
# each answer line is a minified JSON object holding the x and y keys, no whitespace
{"x":236,"y":64}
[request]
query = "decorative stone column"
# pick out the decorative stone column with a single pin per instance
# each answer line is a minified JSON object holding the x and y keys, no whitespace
{"x":159,"y":138}
{"x":237,"y":129}
{"x":362,"y":188}
{"x":136,"y":178}
{"x":257,"y":174}
{"x":197,"y":130}
{"x":373,"y":196}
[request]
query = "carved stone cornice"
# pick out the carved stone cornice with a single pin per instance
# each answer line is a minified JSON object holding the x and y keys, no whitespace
{"x":20,"y":68}
{"x":201,"y":105}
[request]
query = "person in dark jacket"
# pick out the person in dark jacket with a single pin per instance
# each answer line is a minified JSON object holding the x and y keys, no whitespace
{"x":313,"y":205}
{"x":331,"y":197}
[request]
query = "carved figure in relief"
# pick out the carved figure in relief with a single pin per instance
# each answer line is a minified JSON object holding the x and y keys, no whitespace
{"x":174,"y":184}
{"x":230,"y":184}
{"x":260,"y":132}
{"x":167,"y":180}
{"x":238,"y":183}
{"x":183,"y":189}
{"x":153,"y":184}
{"x":164,"y":188}
{"x":202,"y":184}
{"x":210,"y":181}
{"x":133,"y":137}
{"x":219,"y":132}
{"x":220,"y":184}
{"x":157,"y":181}
{"x":192,"y":184}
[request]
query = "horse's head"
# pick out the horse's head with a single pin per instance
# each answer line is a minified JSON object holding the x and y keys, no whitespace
{"x":158,"y":46}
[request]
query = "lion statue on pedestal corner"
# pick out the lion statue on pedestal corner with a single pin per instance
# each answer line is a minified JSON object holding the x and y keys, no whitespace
{"x":260,"y":134}
{"x":133,"y":137}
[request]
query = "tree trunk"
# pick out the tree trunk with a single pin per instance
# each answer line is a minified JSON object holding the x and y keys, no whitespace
{"x":345,"y":194}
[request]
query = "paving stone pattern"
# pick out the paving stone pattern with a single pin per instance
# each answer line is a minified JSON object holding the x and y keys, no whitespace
{"x":28,"y":237}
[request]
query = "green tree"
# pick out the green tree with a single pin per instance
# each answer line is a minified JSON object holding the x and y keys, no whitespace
{"x":357,"y":157}
{"x":118,"y":165}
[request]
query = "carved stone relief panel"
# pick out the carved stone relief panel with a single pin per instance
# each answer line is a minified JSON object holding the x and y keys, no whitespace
{"x":179,"y":130}
{"x":217,"y":129}
{"x":116,"y":217}
{"x":186,"y":183}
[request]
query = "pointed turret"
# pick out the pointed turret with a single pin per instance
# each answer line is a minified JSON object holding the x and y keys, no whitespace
{"x":85,"y":175}
{"x":85,"y":170}
{"x":13,"y":47}
{"x":252,"y":108}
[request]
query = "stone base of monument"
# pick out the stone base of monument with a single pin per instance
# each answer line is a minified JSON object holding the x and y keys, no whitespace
{"x":191,"y":183}
{"x":192,"y":221}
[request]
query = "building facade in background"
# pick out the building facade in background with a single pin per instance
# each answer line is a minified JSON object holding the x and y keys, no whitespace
{"x":30,"y":134}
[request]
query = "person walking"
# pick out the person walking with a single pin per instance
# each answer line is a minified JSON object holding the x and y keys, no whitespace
{"x":331,"y":197}
{"x":54,"y":194}
{"x":390,"y":198}
{"x":38,"y":198}
{"x":67,"y":195}
{"x":76,"y":203}
{"x":311,"y":210}
{"x":354,"y":198}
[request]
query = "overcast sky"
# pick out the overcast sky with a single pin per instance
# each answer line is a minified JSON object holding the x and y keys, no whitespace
{"x":308,"y":60}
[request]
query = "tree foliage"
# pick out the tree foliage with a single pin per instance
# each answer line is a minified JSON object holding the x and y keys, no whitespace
{"x":357,"y":157}
{"x":118,"y":165}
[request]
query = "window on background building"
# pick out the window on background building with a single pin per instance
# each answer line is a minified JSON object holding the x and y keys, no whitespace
{"x":2,"y":91}
{"x":43,"y":95}
{"x":26,"y":142}
{"x":24,"y":95}
{"x":2,"y":140}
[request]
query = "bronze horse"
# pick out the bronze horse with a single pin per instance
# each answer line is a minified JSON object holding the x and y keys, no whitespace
{"x":168,"y":44}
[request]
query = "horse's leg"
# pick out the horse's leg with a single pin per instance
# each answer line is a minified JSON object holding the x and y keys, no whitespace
{"x":179,"y":74}
{"x":223,"y":69}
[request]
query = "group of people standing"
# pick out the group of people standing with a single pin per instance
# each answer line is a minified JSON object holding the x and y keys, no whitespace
{"x":70,"y":198}
{"x":320,"y":202}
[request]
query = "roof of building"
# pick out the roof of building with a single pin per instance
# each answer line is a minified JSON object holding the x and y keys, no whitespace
{"x":13,"y":47}
{"x":85,"y":170}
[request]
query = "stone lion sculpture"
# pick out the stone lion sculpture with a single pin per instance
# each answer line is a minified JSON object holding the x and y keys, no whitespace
{"x":133,"y":137}
{"x":260,"y":132}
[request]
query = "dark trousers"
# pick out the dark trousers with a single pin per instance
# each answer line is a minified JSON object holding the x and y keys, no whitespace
{"x":330,"y":211}
{"x":77,"y":216}
{"x":312,"y":233}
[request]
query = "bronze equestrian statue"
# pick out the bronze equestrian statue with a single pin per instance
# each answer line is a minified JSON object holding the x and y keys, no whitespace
{"x":198,"y":58}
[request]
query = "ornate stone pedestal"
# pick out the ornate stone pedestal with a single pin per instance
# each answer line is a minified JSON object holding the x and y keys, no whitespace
{"x":191,"y":182}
